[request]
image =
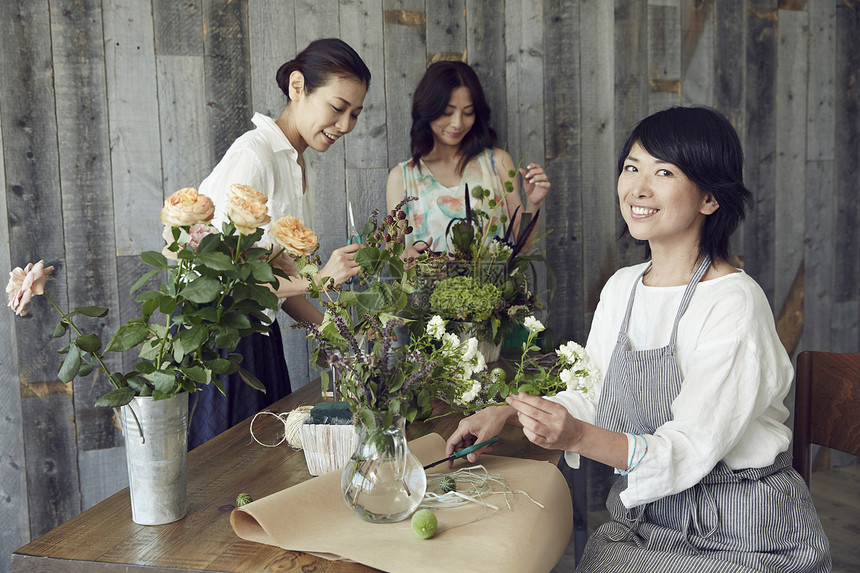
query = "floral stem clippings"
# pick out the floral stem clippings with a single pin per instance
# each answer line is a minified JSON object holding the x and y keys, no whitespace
{"x":216,"y":292}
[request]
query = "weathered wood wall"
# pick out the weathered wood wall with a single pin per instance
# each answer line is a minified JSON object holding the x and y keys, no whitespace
{"x":108,"y":106}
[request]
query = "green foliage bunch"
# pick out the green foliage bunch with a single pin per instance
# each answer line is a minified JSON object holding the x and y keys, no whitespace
{"x":215,"y":294}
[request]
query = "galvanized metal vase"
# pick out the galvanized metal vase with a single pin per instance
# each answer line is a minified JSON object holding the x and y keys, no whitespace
{"x":157,"y":468}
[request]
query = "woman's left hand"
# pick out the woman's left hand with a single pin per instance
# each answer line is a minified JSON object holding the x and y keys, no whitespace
{"x":545,"y":423}
{"x":536,"y":184}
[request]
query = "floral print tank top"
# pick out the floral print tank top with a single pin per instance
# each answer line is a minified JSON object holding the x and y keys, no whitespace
{"x":437,"y":204}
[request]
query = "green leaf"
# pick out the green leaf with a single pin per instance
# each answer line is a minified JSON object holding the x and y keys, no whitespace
{"x":202,"y":290}
{"x":235,"y":320}
{"x":216,"y":261}
{"x":85,"y":369}
{"x":262,"y":271}
{"x":116,"y":398}
{"x":93,"y":311}
{"x":220,"y":366}
{"x":164,"y":382}
{"x":128,"y":336}
{"x":138,"y":384}
{"x":71,"y":365}
{"x":196,"y":374}
{"x":88,"y":342}
{"x":227,"y":338}
{"x":208,"y":243}
{"x":61,"y":329}
{"x":145,"y":367}
{"x":153,"y":259}
{"x":143,"y":279}
{"x":252,"y":380}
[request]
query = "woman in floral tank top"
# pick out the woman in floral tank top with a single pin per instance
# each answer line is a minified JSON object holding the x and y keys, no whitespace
{"x":453,"y":146}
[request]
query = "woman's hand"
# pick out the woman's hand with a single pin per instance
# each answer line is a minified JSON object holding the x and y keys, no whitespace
{"x":414,"y":250}
{"x":479,"y":427}
{"x":545,"y":423}
{"x":536,"y":184}
{"x":341,"y":266}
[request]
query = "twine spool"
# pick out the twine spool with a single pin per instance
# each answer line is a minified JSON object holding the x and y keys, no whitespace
{"x":292,"y":421}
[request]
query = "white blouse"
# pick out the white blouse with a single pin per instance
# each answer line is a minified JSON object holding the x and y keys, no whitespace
{"x":264,"y":159}
{"x":735,"y":375}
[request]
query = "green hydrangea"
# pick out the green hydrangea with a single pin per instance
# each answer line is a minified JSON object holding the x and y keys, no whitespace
{"x":464,"y":298}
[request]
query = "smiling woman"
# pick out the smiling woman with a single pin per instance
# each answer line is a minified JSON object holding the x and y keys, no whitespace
{"x":325,"y":87}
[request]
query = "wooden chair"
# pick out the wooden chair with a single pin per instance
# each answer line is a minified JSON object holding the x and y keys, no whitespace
{"x":827,"y":405}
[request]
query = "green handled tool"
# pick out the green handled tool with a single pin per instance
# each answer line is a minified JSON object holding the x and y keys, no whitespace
{"x":464,"y":452}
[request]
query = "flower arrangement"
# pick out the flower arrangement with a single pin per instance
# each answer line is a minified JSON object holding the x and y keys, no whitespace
{"x":568,"y":368}
{"x":478,"y":249}
{"x":216,"y":293}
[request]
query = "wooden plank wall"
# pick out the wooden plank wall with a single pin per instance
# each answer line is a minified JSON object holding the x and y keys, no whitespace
{"x":108,"y":106}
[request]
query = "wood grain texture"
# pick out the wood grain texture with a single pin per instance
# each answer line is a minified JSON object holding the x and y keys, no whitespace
{"x":366,"y":146}
{"x":14,"y":505}
{"x":405,"y":53}
{"x":134,"y":127}
{"x":664,"y":56}
{"x":226,"y":62}
{"x":105,"y":537}
{"x":791,"y":94}
{"x":82,"y":135}
{"x":187,"y":156}
{"x":697,"y":52}
{"x":178,"y":27}
{"x":563,"y":149}
{"x":272,"y":43}
{"x":598,"y":157}
{"x":760,"y":141}
{"x":486,"y":51}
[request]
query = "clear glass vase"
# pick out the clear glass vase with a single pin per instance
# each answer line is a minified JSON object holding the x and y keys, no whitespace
{"x":383,"y":482}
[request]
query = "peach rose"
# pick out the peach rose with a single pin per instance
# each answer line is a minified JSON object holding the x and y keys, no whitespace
{"x":247,"y":214}
{"x":292,"y":234}
{"x":247,"y":193}
{"x":26,"y":283}
{"x":187,"y":207}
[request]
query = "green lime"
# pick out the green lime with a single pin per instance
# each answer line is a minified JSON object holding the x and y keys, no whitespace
{"x":424,"y":523}
{"x":497,"y":375}
{"x":243,"y":499}
{"x":447,"y":484}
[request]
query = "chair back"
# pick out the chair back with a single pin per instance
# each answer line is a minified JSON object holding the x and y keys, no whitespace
{"x":827,"y":405}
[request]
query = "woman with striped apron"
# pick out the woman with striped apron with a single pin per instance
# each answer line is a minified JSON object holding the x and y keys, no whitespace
{"x":757,"y":519}
{"x":716,"y":492}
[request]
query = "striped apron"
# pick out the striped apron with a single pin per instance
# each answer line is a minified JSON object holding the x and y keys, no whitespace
{"x":756,"y":519}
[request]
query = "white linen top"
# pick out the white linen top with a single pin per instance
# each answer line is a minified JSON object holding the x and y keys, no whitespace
{"x":264,"y":159}
{"x":735,"y":376}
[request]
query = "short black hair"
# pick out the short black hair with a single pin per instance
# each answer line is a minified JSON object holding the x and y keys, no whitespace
{"x":430,"y":100}
{"x":321,"y":60}
{"x":703,"y":144}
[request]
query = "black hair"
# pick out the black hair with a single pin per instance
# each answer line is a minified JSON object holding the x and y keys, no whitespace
{"x":703,"y":144}
{"x":321,"y":60}
{"x":430,"y":100}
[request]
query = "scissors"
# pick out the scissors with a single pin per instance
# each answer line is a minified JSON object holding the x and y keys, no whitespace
{"x":464,"y":452}
{"x":354,"y":235}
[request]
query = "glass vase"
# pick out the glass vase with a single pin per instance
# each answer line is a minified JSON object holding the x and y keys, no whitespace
{"x":383,"y":482}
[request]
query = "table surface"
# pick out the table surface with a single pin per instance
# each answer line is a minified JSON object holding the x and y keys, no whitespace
{"x":104,"y":538}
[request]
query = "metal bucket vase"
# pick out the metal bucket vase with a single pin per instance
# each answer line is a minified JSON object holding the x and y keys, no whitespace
{"x":157,"y":467}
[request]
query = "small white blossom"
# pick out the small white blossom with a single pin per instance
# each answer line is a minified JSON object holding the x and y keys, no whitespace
{"x":472,"y":393}
{"x":471,"y":349}
{"x":436,"y":327}
{"x":572,"y":352}
{"x":533,"y":324}
{"x":481,"y":364}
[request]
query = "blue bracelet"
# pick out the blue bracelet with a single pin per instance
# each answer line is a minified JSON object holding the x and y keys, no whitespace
{"x":632,"y":466}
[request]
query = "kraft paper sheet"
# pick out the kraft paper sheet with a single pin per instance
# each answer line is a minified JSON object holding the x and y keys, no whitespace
{"x":312,"y":517}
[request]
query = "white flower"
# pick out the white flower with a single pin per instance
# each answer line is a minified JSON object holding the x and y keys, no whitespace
{"x":472,"y":393}
{"x":436,"y":327}
{"x":451,"y":339}
{"x":572,"y":352}
{"x":481,"y":363}
{"x":533,"y":324}
{"x":471,"y":349}
{"x":567,"y":377}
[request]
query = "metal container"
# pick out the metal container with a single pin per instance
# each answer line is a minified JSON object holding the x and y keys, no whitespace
{"x":157,"y":468}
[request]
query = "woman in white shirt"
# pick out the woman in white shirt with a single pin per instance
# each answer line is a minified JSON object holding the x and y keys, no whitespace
{"x":690,"y":412}
{"x":325,"y":87}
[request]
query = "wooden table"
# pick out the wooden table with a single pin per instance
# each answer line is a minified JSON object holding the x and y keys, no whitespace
{"x":104,"y":538}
